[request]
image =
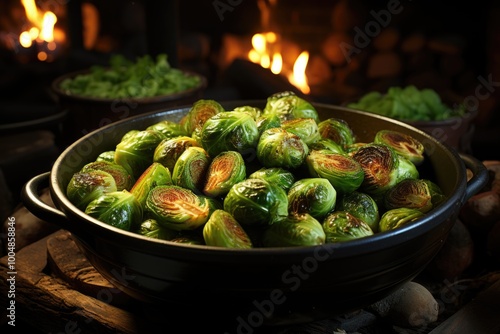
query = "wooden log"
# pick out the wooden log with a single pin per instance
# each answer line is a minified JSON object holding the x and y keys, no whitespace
{"x":387,"y":40}
{"x":384,"y":65}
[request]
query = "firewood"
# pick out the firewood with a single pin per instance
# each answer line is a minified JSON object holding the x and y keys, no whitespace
{"x":386,"y":40}
{"x":335,"y":47}
{"x":384,"y":64}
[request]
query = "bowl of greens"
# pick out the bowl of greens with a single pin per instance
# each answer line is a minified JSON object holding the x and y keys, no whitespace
{"x":442,"y":115}
{"x":100,"y":95}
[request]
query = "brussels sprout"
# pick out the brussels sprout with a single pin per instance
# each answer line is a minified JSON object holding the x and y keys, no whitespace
{"x":337,"y":130}
{"x":106,"y":156}
{"x":305,"y":128}
{"x":395,"y":218}
{"x":360,"y":205}
{"x":169,"y":129}
{"x":135,"y":153}
{"x":409,"y":193}
{"x":229,"y":131}
{"x":437,"y":195}
{"x":380,"y":164}
{"x":222,"y":230}
{"x":225,"y":170}
{"x":190,"y":169}
{"x":178,"y":208}
{"x":276,"y":175}
{"x":150,"y":228}
{"x":315,"y":196}
{"x":295,"y":230}
{"x":406,"y":169}
{"x":129,"y":134}
{"x":287,"y":105}
{"x":343,"y":172}
{"x":188,"y":240}
{"x":256,"y":202}
{"x":342,"y":226}
{"x":269,"y":121}
{"x":169,"y":150}
{"x":84,"y":187}
{"x":280,"y":148}
{"x":122,"y":178}
{"x":198,"y":114}
{"x":404,"y":144}
{"x":252,"y":111}
{"x":119,"y":209}
{"x":327,"y":145}
{"x":155,"y":175}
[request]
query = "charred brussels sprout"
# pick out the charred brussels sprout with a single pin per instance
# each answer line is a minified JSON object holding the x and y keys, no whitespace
{"x":327,"y":145}
{"x":395,"y":218}
{"x":287,"y":105}
{"x":135,"y":153}
{"x":295,"y":230}
{"x":222,"y":230}
{"x":337,"y":130}
{"x":360,"y":205}
{"x":169,"y":150}
{"x":122,"y":178}
{"x":409,"y":193}
{"x":106,"y":156}
{"x":305,"y":128}
{"x":403,"y":144}
{"x":150,"y":228}
{"x":315,"y":196}
{"x":190,"y":169}
{"x":280,"y":148}
{"x":437,"y":195}
{"x":225,"y":170}
{"x":276,"y":175}
{"x":198,"y":114}
{"x":85,"y":187}
{"x":168,"y":128}
{"x":155,"y":175}
{"x":229,"y":131}
{"x":178,"y":208}
{"x":256,"y":202}
{"x":269,"y":121}
{"x":343,"y":172}
{"x":342,"y":226}
{"x":119,"y":209}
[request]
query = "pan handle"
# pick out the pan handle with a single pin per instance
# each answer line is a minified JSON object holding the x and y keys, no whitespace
{"x":31,"y":199}
{"x":479,"y":177}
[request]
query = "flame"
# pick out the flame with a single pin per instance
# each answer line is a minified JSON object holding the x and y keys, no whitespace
{"x":31,"y":11}
{"x":298,"y":78}
{"x":48,"y":23}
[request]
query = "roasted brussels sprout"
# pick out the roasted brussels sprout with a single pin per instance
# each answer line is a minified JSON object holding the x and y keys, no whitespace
{"x":178,"y":208}
{"x":287,"y":105}
{"x":398,"y":217}
{"x":135,"y":153}
{"x":252,"y":111}
{"x":327,"y":145}
{"x":155,"y":175}
{"x":122,"y":177}
{"x":279,"y":176}
{"x":343,"y":172}
{"x":337,"y":130}
{"x":342,"y":226}
{"x":406,"y":169}
{"x":169,"y":129}
{"x":409,"y":193}
{"x":315,"y":196}
{"x":84,"y":187}
{"x":437,"y":195}
{"x":129,"y":134}
{"x":305,"y":128}
{"x":225,"y":170}
{"x":169,"y":150}
{"x":198,"y":114}
{"x":360,"y":205}
{"x":150,"y":228}
{"x":280,"y":148}
{"x":230,"y":131}
{"x":268,"y":121}
{"x":106,"y":156}
{"x":222,"y":230}
{"x":295,"y":230}
{"x":256,"y":202}
{"x":403,"y":144}
{"x":119,"y":209}
{"x":190,"y":169}
{"x":188,"y":240}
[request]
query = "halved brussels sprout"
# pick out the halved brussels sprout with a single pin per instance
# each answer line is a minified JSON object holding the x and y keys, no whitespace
{"x":225,"y":170}
{"x":315,"y":196}
{"x":168,"y":128}
{"x":409,"y":193}
{"x":295,"y":230}
{"x":287,"y":105}
{"x":337,"y":130}
{"x":305,"y":128}
{"x":150,"y":228}
{"x":404,"y":144}
{"x":190,"y":169}
{"x":327,"y":145}
{"x":362,"y":206}
{"x":198,"y":114}
{"x":169,"y":150}
{"x":222,"y":230}
{"x":277,"y":175}
{"x":178,"y":208}
{"x":343,"y":172}
{"x":135,"y":153}
{"x":230,"y":131}
{"x":394,"y":218}
{"x":122,"y":177}
{"x":256,"y":202}
{"x":280,"y":148}
{"x":84,"y":187}
{"x":106,"y":156}
{"x":437,"y":194}
{"x":119,"y":209}
{"x":342,"y":226}
{"x":155,"y":175}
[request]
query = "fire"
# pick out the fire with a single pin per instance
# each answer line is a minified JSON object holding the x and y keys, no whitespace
{"x":266,"y":52}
